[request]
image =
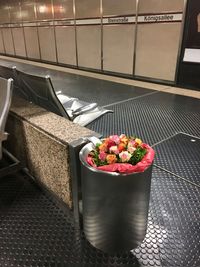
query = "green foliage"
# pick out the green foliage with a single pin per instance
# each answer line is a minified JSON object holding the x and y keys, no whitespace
{"x":138,"y":155}
{"x":97,"y":161}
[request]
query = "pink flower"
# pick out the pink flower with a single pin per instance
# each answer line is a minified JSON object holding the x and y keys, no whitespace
{"x":125,"y":156}
{"x":131,"y":143}
{"x":115,"y":138}
{"x":114,"y":149}
{"x":102,"y":155}
{"x":131,"y":149}
{"x":131,"y":146}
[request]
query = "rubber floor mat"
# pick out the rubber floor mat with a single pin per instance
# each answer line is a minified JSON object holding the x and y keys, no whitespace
{"x":153,"y":117}
{"x":175,"y":211}
{"x":96,"y":90}
{"x":36,"y":231}
{"x":181,"y":156}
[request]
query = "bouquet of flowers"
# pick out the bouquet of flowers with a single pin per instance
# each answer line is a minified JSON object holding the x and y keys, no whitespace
{"x":121,"y":154}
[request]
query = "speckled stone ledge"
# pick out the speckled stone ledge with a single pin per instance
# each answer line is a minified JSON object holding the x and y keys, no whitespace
{"x":40,"y":140}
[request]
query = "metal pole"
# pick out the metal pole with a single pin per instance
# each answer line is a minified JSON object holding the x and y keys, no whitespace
{"x":135,"y":39}
{"x":180,"y":42}
{"x":35,"y":11}
{"x":52,"y":7}
{"x":76,"y":45}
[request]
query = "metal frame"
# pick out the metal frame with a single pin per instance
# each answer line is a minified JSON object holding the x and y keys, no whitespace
{"x":23,"y":32}
{"x":12,"y":33}
{"x":135,"y":40}
{"x":35,"y":11}
{"x":52,"y":9}
{"x":101,"y":14}
{"x":13,"y":167}
{"x":180,"y":42}
{"x":74,"y":149}
{"x":76,"y":46}
{"x":59,"y":107}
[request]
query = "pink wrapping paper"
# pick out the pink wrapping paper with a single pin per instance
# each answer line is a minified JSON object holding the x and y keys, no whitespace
{"x":127,"y":167}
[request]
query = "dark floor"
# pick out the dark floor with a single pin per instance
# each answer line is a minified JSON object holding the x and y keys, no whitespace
{"x":36,"y":231}
{"x":153,"y":117}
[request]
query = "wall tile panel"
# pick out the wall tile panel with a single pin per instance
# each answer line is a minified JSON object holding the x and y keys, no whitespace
{"x":160,"y":6}
{"x":118,"y":47}
{"x":87,"y":8}
{"x":63,"y":9}
{"x":28,"y":10}
{"x":8,"y":41}
{"x":15,"y":12}
{"x":4,"y":12}
{"x":1,"y":43}
{"x":32,"y":45}
{"x":118,"y":7}
{"x":156,"y":51}
{"x":18,"y":37}
{"x":65,"y":39}
{"x":44,"y":10}
{"x":47,"y":43}
{"x":89,"y":46}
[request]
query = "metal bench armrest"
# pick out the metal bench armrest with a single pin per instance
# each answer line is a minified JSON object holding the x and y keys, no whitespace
{"x":3,"y":136}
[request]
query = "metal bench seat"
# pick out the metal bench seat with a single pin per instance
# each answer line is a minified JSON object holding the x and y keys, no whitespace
{"x":9,"y":72}
{"x":74,"y":106}
{"x":64,"y":98}
{"x":41,"y":92}
{"x":6,"y":87}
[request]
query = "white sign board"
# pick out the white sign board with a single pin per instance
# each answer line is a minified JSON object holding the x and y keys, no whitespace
{"x":192,"y":55}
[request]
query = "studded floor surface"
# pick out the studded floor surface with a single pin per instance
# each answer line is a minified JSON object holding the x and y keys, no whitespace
{"x":36,"y":231}
{"x":153,"y":117}
{"x":180,"y":154}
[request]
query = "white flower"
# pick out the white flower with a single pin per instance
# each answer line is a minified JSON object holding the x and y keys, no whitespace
{"x":114,"y":149}
{"x":125,"y":156}
{"x":131,"y":149}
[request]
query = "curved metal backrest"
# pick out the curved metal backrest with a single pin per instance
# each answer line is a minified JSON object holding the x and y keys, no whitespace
{"x":9,"y":72}
{"x":41,"y":92}
{"x":6,"y":72}
{"x":6,"y":87}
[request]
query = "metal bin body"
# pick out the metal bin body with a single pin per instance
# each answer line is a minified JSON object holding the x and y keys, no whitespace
{"x":115,"y":206}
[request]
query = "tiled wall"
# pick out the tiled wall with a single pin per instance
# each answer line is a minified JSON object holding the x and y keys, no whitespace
{"x":136,"y":38}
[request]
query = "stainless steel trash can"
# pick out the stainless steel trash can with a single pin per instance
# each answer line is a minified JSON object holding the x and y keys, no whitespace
{"x":115,"y":206}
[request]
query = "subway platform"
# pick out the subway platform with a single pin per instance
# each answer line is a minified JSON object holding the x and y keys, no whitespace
{"x":37,"y":230}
